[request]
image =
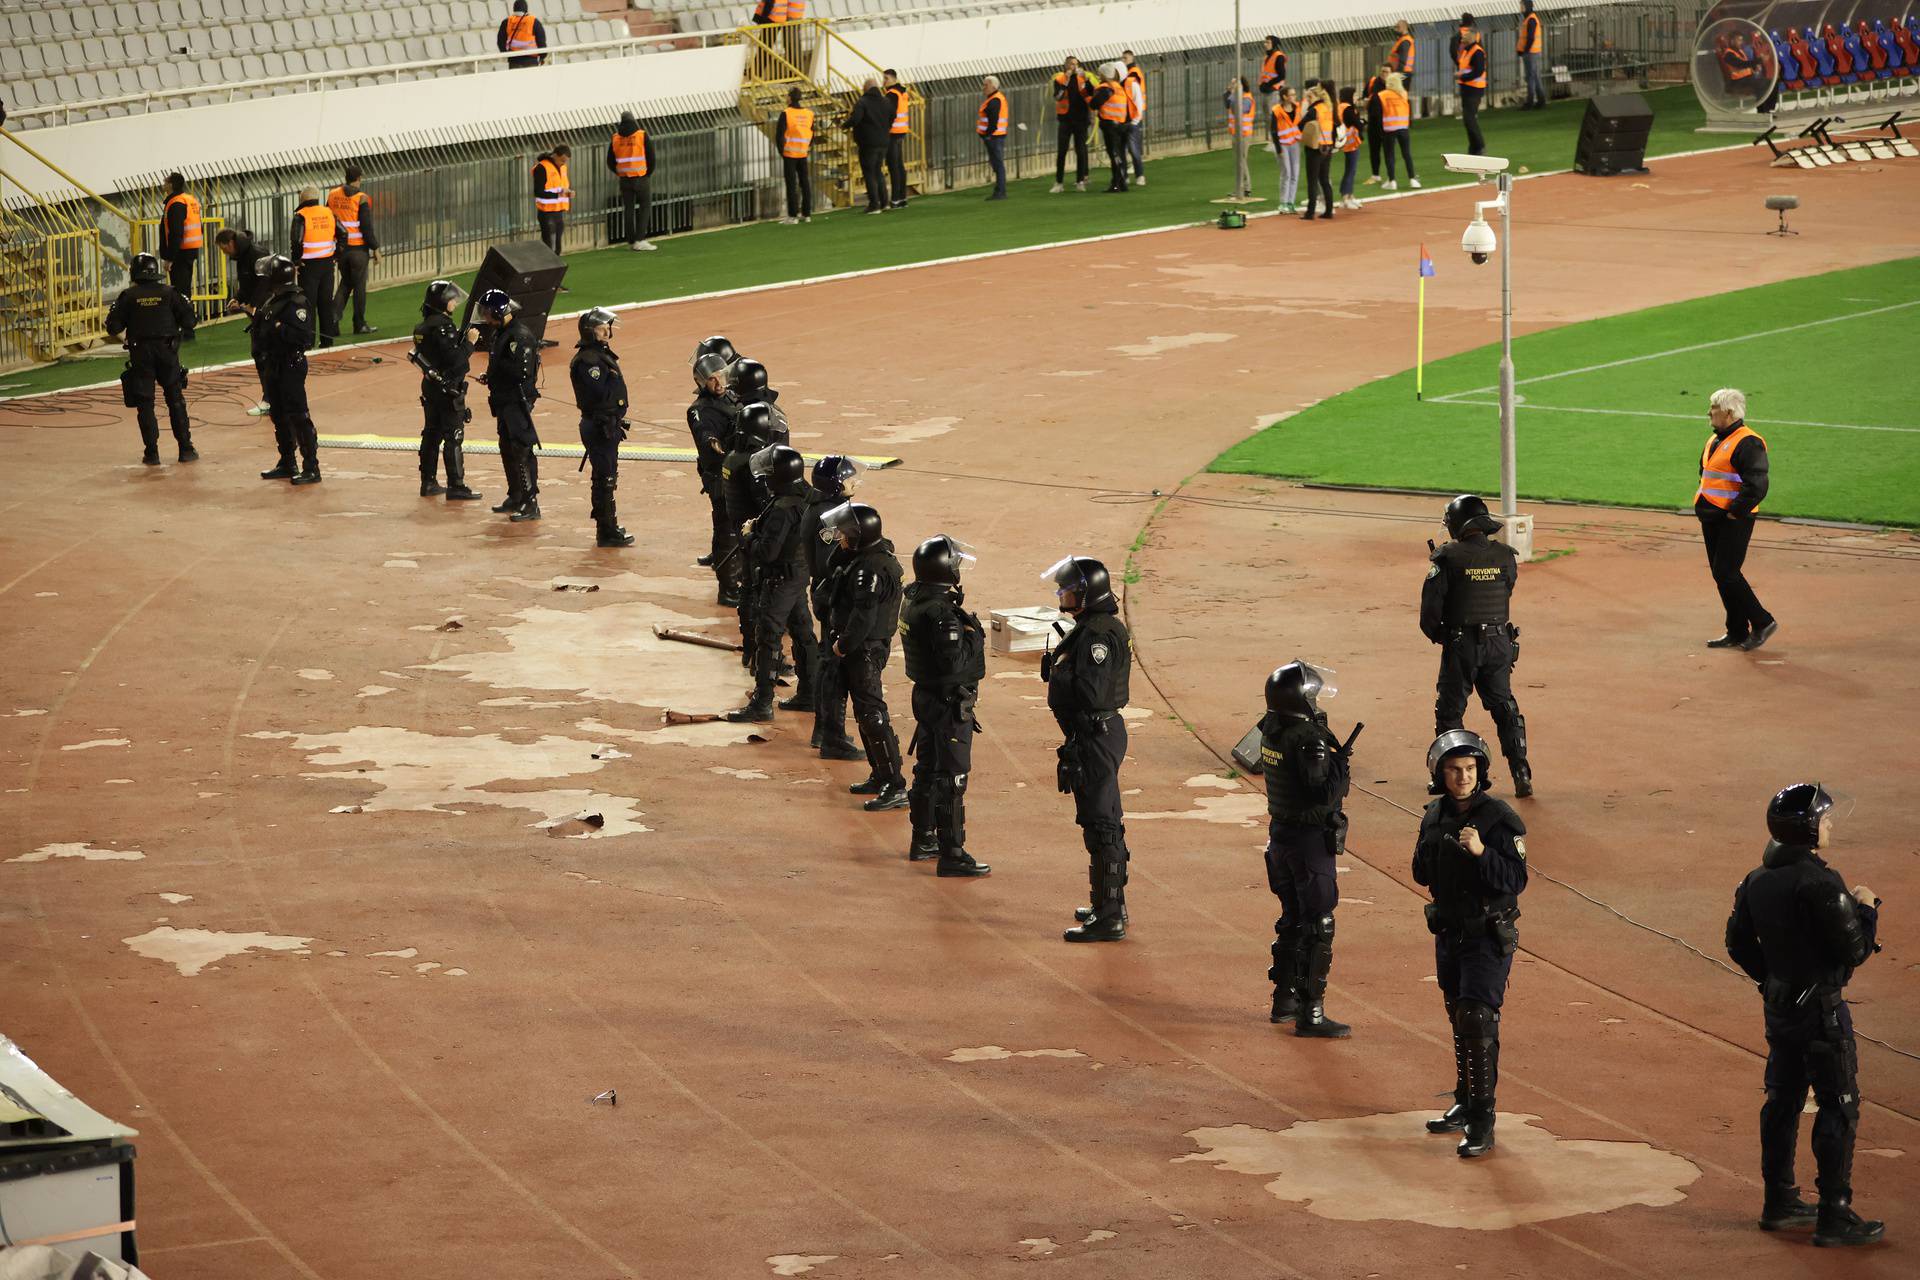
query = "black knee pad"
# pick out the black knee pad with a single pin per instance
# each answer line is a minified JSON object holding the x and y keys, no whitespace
{"x":1475,"y":1020}
{"x":1319,"y":928}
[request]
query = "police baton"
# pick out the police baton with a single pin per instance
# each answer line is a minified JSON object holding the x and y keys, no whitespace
{"x":1346,"y":748}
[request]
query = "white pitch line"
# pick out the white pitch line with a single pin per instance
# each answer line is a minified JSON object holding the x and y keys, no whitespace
{"x":1683,"y":417}
{"x":1678,"y":351}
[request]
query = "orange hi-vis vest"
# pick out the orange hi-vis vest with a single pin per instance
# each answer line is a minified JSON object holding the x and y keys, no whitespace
{"x":1529,"y":34}
{"x":630,"y":154}
{"x":899,"y":95}
{"x":797,"y":138}
{"x":316,"y":240}
{"x":1466,"y":78}
{"x":1117,"y":106}
{"x":1395,"y":112}
{"x":789,"y":10}
{"x":999,"y":129}
{"x":1285,"y":125}
{"x":1353,"y":136}
{"x":555,"y":180}
{"x":1270,"y":65}
{"x":192,"y":236}
{"x":1137,"y":93}
{"x":1719,"y":482}
{"x":1240,"y":123}
{"x":346,"y":211}
{"x":1323,"y":111}
{"x":520,"y":33}
{"x":1403,"y":49}
{"x":1076,"y":84}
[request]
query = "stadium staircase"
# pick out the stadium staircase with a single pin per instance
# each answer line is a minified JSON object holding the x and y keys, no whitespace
{"x":52,"y":261}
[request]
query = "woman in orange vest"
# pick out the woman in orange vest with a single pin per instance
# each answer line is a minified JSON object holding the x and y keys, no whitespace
{"x":897,"y":136}
{"x":1273,"y":69}
{"x":1283,"y":134}
{"x":630,"y":160}
{"x":1239,"y":105}
{"x":181,"y":237}
{"x":1470,"y":79}
{"x":1733,"y":482}
{"x":1316,"y":144}
{"x":992,"y":128}
{"x":1348,"y":140}
{"x":359,"y":248}
{"x":552,"y":197}
{"x":793,"y":131}
{"x":1396,"y":123}
{"x":1530,"y":46}
{"x":522,"y":36}
{"x":1114,"y":107}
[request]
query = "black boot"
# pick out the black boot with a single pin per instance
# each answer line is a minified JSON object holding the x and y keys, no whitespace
{"x":1109,"y":922}
{"x":430,"y":488}
{"x":1454,"y":1119}
{"x":612,"y":535}
{"x":892,"y":795}
{"x":1784,"y":1209}
{"x":949,"y":812}
{"x":151,"y":457}
{"x":1284,"y":975}
{"x":1522,"y":778}
{"x":460,"y":493}
{"x":925,"y":843}
{"x":802,"y":699}
{"x":1107,"y":928}
{"x":284,"y":471}
{"x":960,"y":863}
{"x":759,"y":708}
{"x":1315,"y":961}
{"x":1513,"y":745}
{"x":839,"y":747}
{"x":529,"y":510}
{"x":1479,"y":1030}
{"x":1478,"y":1138}
{"x":1840,"y":1225}
{"x":510,"y":504}
{"x":187,"y":452}
{"x":308,"y":477}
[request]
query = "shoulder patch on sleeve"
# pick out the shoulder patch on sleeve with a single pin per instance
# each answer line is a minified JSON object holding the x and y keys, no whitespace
{"x":1097,"y":652}
{"x":299,"y":313}
{"x":594,"y":372}
{"x":1433,"y":570}
{"x":1520,"y":847}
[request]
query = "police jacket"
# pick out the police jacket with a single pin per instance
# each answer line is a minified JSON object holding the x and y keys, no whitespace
{"x":1305,"y":772}
{"x":513,"y":368}
{"x":287,"y":328}
{"x":777,"y":536}
{"x":866,"y":598}
{"x":741,"y":491}
{"x":1087,"y":678}
{"x":819,"y":554}
{"x":599,"y":388}
{"x":1795,"y":929}
{"x":1469,"y":892}
{"x":443,"y":349}
{"x":710,"y":418}
{"x":1469,"y":583}
{"x":150,"y":313}
{"x":945,"y":645}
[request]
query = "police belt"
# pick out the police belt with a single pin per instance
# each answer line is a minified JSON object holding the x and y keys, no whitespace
{"x":173,"y":341}
{"x":1782,"y":997}
{"x":1460,"y":629}
{"x":1093,"y":721}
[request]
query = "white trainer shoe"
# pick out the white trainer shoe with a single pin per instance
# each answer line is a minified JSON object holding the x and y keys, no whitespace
{"x":1414,"y":183}
{"x":644,"y":245}
{"x":1389,"y":185}
{"x":260,"y":410}
{"x":1056,"y":189}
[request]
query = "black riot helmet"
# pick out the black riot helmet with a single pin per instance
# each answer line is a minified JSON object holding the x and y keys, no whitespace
{"x":144,"y":269}
{"x":1469,"y":513}
{"x":858,"y":521}
{"x":1295,"y":690}
{"x":441,"y":297}
{"x":1793,"y":816}
{"x":591,"y":320}
{"x":496,"y":305}
{"x":836,"y":475}
{"x":939,"y":560}
{"x":755,"y":429}
{"x":748,"y":380}
{"x":1457,"y":742}
{"x":280,"y":272}
{"x":780,"y":468}
{"x":1085,"y":577}
{"x":714,"y":346}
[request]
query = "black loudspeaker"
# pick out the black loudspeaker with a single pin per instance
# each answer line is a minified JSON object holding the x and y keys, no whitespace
{"x":531,"y":274}
{"x":1613,"y":135}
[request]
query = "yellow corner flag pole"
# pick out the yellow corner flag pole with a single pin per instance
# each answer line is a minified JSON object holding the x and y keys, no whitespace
{"x":1420,"y":330}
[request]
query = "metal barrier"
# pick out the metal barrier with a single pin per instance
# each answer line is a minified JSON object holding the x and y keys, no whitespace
{"x":210,"y":285}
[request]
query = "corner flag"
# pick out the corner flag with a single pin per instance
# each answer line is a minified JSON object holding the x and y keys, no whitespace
{"x":1420,"y":334}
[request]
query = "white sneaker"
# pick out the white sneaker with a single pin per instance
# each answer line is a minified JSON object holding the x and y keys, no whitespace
{"x":1080,"y":185}
{"x":1389,"y":185}
{"x":1055,"y":189}
{"x":1140,"y":181}
{"x":648,"y":245}
{"x":1414,"y":183}
{"x":788,"y":222}
{"x":260,"y":410}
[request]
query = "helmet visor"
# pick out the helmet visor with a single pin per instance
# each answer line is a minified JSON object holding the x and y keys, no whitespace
{"x":963,"y":553}
{"x":761,"y":463}
{"x":1328,"y":687}
{"x":1065,"y":575}
{"x":835,"y":521}
{"x":709,"y":366}
{"x":851,"y":473}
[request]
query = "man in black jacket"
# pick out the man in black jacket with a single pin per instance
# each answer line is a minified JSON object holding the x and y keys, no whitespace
{"x":1733,"y":482}
{"x":182,"y":235}
{"x":1799,"y":933}
{"x":781,"y":577}
{"x":247,"y":292}
{"x":153,"y":318}
{"x":1463,"y":608}
{"x":313,"y":244}
{"x":513,"y":385}
{"x":288,"y":331}
{"x":1087,"y":685}
{"x":834,"y":479}
{"x":630,"y":159}
{"x":753,"y":431}
{"x":946,"y":651}
{"x":710,"y":420}
{"x":600,"y":392}
{"x":865,"y":610}
{"x":900,"y":103}
{"x":1072,"y":120}
{"x":443,"y":353}
{"x":871,"y":123}
{"x":521,"y":33}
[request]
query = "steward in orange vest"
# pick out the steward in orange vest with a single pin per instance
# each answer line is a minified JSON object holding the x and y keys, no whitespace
{"x":1733,"y":482}
{"x":181,"y":235}
{"x":1530,"y":46}
{"x":1273,"y":67}
{"x":1072,"y":120}
{"x":1111,"y":103}
{"x":1470,"y":81}
{"x":793,"y":131}
{"x":897,"y":137}
{"x":357,"y":247}
{"x":521,"y":35}
{"x":552,"y":195}
{"x":630,"y":159}
{"x":992,"y":128}
{"x":313,"y":243}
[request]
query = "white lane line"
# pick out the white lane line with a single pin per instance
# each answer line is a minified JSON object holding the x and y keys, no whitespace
{"x":1683,"y":417}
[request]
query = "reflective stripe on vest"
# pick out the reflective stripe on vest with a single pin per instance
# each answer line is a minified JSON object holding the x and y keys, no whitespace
{"x":346,"y":211}
{"x":555,"y":179}
{"x":316,"y":236}
{"x":1000,"y":125}
{"x":1137,"y":92}
{"x":1323,"y":112}
{"x":1241,"y":125}
{"x":797,"y":138}
{"x":899,"y":96}
{"x":1395,"y":113}
{"x":1270,"y":65}
{"x":789,"y":10}
{"x":191,"y":234}
{"x":630,"y":154}
{"x":1114,"y":110}
{"x":1719,"y":482}
{"x":519,"y":32}
{"x":1403,"y":49}
{"x":1285,"y":125}
{"x":1529,"y":35}
{"x":1078,"y":85}
{"x":1467,"y":79}
{"x":1353,"y":136}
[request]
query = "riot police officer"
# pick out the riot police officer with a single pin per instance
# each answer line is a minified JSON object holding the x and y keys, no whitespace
{"x":1463,"y":609}
{"x":1307,"y":775}
{"x":154,"y":318}
{"x":1086,"y":678}
{"x":1471,"y":854}
{"x":780,"y":577}
{"x":835,"y":477}
{"x":289,"y":328}
{"x":752,"y":432}
{"x":1800,"y":934}
{"x":864,"y":605}
{"x":710,"y":420}
{"x":513,"y":385}
{"x":600,"y":391}
{"x":946,"y":651}
{"x":443,"y":353}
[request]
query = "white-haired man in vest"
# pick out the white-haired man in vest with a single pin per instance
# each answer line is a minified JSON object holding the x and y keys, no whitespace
{"x":1733,"y":482}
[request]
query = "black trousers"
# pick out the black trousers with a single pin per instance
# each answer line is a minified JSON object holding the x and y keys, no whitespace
{"x":553,"y":228}
{"x":799,"y":175}
{"x":1471,"y":969}
{"x":1727,"y":541}
{"x":1301,"y":874}
{"x":1470,"y":117}
{"x":725,"y":535}
{"x":353,"y":283}
{"x":443,"y":430}
{"x":780,"y":610}
{"x":1091,"y":762}
{"x":518,"y":459}
{"x":1403,"y":138}
{"x":151,"y":363}
{"x":1114,"y":137}
{"x":1319,"y":179}
{"x":316,"y":281}
{"x":180,"y":272}
{"x":1480,"y":658}
{"x":897,"y":166}
{"x":942,"y":762}
{"x":1810,"y":1046}
{"x":636,"y":209}
{"x":1376,"y":137}
{"x":1070,"y":134}
{"x":829,"y":686}
{"x":997,"y":160}
{"x":602,"y":443}
{"x":873,"y":170}
{"x":292,"y":423}
{"x":860,"y":672}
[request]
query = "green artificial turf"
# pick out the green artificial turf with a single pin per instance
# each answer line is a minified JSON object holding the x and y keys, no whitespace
{"x":1831,"y":399}
{"x":1180,"y":191}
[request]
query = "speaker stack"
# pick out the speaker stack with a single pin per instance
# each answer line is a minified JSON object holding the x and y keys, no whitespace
{"x":531,"y":274}
{"x":1613,"y":135}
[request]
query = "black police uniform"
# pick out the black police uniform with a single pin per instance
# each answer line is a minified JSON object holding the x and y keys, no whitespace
{"x":865,"y":609}
{"x":744,"y":501}
{"x":289,"y":328}
{"x":1087,"y":678}
{"x":711,"y":419}
{"x":1307,"y":781}
{"x":1463,"y":609}
{"x":600,"y":389}
{"x":946,"y":653}
{"x":781,"y":578}
{"x":154,"y":318}
{"x":825,"y":559}
{"x":513,"y":385}
{"x":1472,"y":915}
{"x":1798,"y":933}
{"x":250,"y":289}
{"x":444,"y":355}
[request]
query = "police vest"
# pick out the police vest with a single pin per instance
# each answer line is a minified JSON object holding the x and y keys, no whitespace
{"x":1478,"y":581}
{"x":999,"y":127}
{"x":1719,"y":482}
{"x":316,"y":237}
{"x":630,"y":154}
{"x":1469,"y":79}
{"x":1114,"y":109}
{"x":346,"y":211}
{"x":797,"y":138}
{"x":191,"y":234}
{"x":1289,"y":794}
{"x":1529,"y":34}
{"x":1240,"y":123}
{"x":899,"y":95}
{"x":519,"y":32}
{"x":944,"y":644}
{"x":1462,"y":904}
{"x":553,"y":177}
{"x":1285,"y":125}
{"x":1395,"y":112}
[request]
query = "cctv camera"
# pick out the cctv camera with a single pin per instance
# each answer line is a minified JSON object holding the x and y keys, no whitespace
{"x":1478,"y":241}
{"x":1478,"y":166}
